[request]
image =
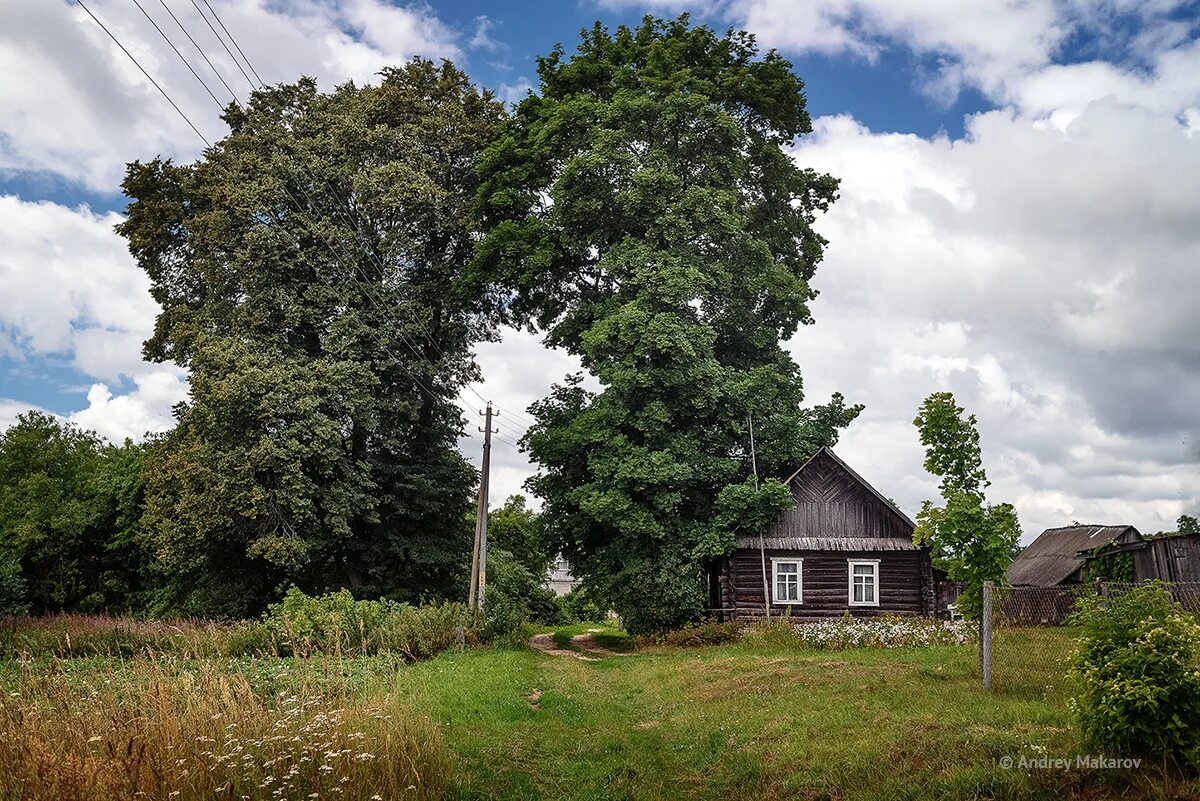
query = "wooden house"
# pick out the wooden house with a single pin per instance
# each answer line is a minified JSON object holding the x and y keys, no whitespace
{"x":842,"y":548}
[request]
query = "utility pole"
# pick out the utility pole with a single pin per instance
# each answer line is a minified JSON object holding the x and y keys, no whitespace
{"x":762,"y":546}
{"x":479,"y":555}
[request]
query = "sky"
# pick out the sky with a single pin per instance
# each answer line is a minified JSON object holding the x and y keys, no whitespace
{"x":1019,"y":219}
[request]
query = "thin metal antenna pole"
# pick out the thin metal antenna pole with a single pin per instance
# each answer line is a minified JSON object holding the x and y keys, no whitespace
{"x":762,"y":546}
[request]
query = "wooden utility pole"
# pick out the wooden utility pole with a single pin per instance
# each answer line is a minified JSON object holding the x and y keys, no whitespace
{"x":762,"y":546}
{"x":479,"y":554}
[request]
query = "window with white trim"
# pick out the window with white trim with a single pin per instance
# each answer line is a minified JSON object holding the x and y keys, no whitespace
{"x":788,"y":580}
{"x":864,"y":582}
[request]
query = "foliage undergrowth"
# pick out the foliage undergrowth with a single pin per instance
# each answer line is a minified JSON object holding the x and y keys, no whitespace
{"x":1137,"y":668}
{"x":303,"y":625}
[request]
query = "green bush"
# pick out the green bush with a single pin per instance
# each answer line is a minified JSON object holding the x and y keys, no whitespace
{"x":582,"y":605}
{"x":709,"y":632}
{"x":12,"y":588}
{"x":1135,"y":665}
{"x":515,"y":597}
{"x":304,"y":625}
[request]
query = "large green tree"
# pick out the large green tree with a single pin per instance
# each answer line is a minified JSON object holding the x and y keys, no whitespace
{"x":70,"y":510}
{"x":306,"y":268}
{"x":972,"y":540}
{"x":644,"y":211}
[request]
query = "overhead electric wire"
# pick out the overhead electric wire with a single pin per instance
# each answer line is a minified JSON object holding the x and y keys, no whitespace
{"x":202,"y":53}
{"x":186,"y":63}
{"x":235,"y":44}
{"x":222,"y":41}
{"x":137,"y":64}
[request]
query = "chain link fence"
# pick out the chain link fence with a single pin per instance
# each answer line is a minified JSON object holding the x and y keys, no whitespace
{"x":1027,"y":640}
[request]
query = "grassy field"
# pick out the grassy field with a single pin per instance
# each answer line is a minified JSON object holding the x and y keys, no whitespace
{"x":722,"y":722}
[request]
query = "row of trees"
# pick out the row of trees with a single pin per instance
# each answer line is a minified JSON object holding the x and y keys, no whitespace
{"x":325,"y":270}
{"x":74,"y":537}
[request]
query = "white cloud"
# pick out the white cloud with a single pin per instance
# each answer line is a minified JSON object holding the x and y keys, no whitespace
{"x":513,"y":93}
{"x":80,"y":109}
{"x":145,"y":410}
{"x":70,"y":286}
{"x":11,"y":409}
{"x":71,"y":289}
{"x":1047,"y":277}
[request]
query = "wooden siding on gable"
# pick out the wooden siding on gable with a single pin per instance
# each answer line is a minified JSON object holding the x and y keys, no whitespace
{"x":831,"y":502}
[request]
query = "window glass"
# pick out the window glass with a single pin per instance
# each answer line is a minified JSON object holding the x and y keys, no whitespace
{"x":787,"y":581}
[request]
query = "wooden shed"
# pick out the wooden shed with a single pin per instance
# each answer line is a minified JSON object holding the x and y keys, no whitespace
{"x":1058,"y":556}
{"x":842,"y":548}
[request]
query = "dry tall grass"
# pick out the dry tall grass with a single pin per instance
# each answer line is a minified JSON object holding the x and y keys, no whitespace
{"x":176,"y":729}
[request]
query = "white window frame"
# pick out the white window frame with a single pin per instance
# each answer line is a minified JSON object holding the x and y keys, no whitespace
{"x":850,"y":581}
{"x":775,"y":563}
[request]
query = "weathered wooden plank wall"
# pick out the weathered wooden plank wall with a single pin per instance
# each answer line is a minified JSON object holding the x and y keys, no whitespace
{"x":1169,"y":559}
{"x":831,"y":503}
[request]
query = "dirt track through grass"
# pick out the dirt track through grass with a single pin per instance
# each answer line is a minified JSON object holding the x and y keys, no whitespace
{"x":745,"y":722}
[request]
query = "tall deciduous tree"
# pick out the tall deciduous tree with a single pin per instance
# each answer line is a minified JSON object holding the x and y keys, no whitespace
{"x":972,"y":540}
{"x":306,"y":269}
{"x":644,"y":211}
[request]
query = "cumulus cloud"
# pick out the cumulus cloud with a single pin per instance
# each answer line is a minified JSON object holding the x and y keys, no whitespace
{"x":81,"y":109}
{"x":1044,"y":275}
{"x":146,"y":410}
{"x":71,"y":290}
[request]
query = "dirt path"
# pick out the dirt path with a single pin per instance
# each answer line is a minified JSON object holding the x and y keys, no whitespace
{"x":586,"y":647}
{"x":545,"y":643}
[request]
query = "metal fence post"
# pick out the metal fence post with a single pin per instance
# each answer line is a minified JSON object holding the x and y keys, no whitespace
{"x":985,"y":640}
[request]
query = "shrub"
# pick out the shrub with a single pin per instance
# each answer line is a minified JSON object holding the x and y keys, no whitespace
{"x":709,"y":632}
{"x":582,"y":605}
{"x":304,"y":625}
{"x":515,"y":597}
{"x":1135,"y":664}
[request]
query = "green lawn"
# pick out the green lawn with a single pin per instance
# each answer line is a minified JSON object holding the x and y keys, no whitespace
{"x":740,"y":722}
{"x":724,"y":722}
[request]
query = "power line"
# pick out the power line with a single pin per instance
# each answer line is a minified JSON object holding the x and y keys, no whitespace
{"x":186,"y":63}
{"x":143,"y":69}
{"x":235,"y":44}
{"x":222,"y":41}
{"x":203,"y":54}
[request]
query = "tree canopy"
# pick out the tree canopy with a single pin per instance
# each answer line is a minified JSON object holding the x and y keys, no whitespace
{"x":972,"y":540}
{"x":307,"y":269}
{"x":642,"y":209}
{"x":70,"y":516}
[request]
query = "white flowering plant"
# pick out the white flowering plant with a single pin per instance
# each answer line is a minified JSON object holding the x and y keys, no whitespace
{"x":887,"y":631}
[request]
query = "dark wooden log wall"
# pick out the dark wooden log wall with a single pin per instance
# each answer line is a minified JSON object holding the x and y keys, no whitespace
{"x":906,"y":584}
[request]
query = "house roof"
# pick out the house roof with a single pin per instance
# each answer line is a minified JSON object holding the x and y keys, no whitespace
{"x":850,"y":470}
{"x":1054,"y":556}
{"x":828,"y":543}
